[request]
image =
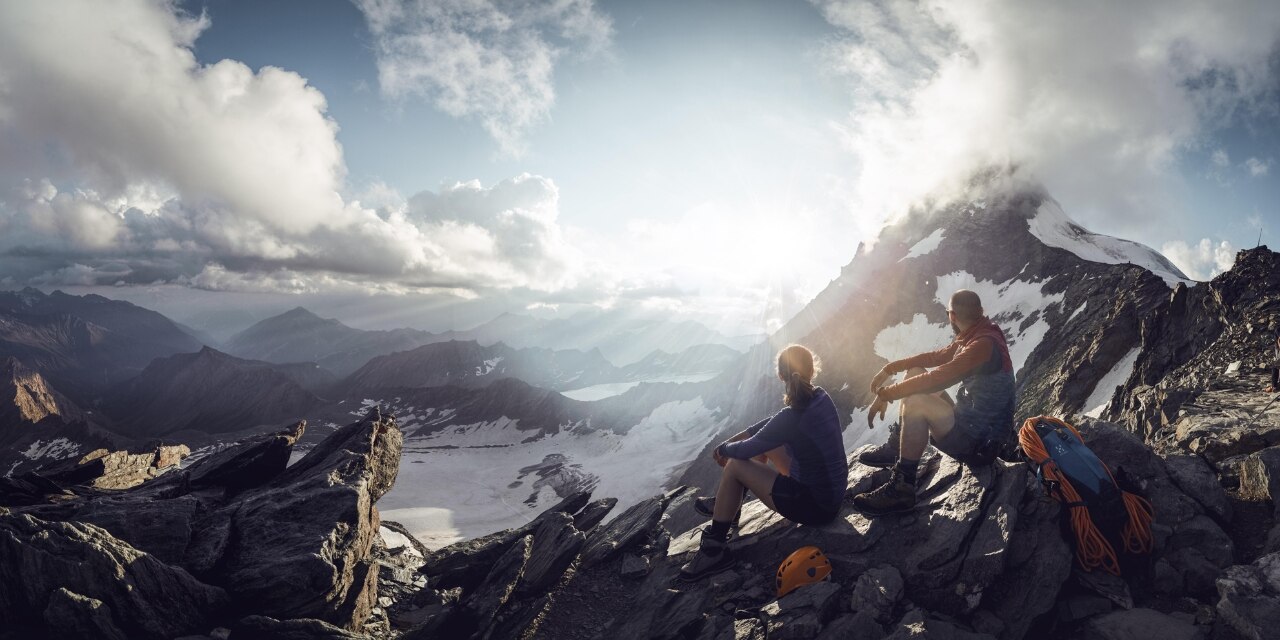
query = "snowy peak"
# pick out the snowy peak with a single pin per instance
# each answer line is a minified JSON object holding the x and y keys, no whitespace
{"x":1051,"y":226}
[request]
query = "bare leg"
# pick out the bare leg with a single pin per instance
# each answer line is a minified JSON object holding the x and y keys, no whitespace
{"x":736,"y":475}
{"x":778,"y":458}
{"x":923,"y":415}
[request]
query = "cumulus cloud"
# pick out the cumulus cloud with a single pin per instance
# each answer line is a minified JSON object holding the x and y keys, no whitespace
{"x":125,"y":160}
{"x":1203,"y":260}
{"x":1258,"y":167}
{"x":1096,"y":99}
{"x":493,"y":60}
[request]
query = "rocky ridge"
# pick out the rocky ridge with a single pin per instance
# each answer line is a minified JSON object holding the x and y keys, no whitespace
{"x":238,"y":540}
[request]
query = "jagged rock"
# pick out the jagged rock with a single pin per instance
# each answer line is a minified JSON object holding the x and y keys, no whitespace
{"x":592,"y":514}
{"x":1249,"y":597}
{"x":1139,"y":624}
{"x":555,"y":545}
{"x":949,"y":551}
{"x":72,"y":615}
{"x":102,"y":469}
{"x":29,"y":489}
{"x":265,"y":628}
{"x":1196,"y":478}
{"x":858,"y":625}
{"x":497,"y":587}
{"x":464,"y":563}
{"x":142,"y":597}
{"x":628,"y":529}
{"x":1260,"y":476}
{"x":819,"y":598}
{"x":915,"y":625}
{"x":1039,"y":562}
{"x":682,"y":614}
{"x":799,"y":627}
{"x":877,"y":591}
{"x":318,"y":566}
{"x":634,"y":566}
{"x":251,"y":463}
{"x":749,"y":629}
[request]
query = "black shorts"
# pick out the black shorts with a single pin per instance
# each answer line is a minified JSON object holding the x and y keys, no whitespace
{"x":961,"y":444}
{"x":796,"y":503}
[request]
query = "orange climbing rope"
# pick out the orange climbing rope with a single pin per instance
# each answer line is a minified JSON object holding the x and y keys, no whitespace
{"x":1092,"y":548}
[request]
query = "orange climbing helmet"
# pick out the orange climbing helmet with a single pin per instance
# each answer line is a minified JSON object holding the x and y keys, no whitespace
{"x":804,"y":566}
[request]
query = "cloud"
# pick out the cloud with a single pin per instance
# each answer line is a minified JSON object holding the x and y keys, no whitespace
{"x":1203,"y":260}
{"x":123,"y":159}
{"x":1258,"y":167}
{"x":493,"y":60}
{"x":1095,"y":100}
{"x":1220,"y":158}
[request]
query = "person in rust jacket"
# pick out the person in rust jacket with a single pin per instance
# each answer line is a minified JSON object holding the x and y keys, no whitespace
{"x":968,"y":429}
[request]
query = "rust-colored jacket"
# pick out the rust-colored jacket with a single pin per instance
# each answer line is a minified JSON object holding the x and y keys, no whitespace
{"x":967,"y":355}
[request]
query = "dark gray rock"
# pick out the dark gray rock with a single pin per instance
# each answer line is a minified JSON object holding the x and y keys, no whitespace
{"x":682,"y":614}
{"x":877,"y":591}
{"x":490,"y":596}
{"x":1260,"y":476}
{"x":1249,"y":598}
{"x":915,"y":625}
{"x":72,"y":615}
{"x":592,"y":514}
{"x":318,"y":566}
{"x":141,"y":596}
{"x":265,"y":628}
{"x":798,"y":627}
{"x":555,"y":546}
{"x":858,"y":625}
{"x":634,"y":566}
{"x":1196,"y":478}
{"x":631,"y":528}
{"x":250,"y":463}
{"x":818,"y":598}
{"x":1139,"y":624}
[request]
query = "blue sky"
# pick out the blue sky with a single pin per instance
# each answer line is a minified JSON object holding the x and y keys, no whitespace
{"x":494,"y":155}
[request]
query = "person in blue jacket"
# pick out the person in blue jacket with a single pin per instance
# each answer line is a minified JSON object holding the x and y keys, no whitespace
{"x":805,"y":444}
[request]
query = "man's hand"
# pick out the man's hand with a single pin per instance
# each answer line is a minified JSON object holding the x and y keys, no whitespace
{"x":878,"y":407}
{"x":715,"y":455}
{"x":880,"y":378}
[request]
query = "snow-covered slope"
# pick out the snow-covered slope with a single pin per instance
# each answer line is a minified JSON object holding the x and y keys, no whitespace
{"x":1051,"y":226}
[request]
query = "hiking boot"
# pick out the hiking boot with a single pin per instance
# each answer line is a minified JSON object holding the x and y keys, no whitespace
{"x":894,"y":496}
{"x":886,"y":454}
{"x":713,"y":556}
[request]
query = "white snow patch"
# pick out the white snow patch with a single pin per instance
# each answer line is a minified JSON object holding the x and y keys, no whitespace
{"x":488,"y":366}
{"x":464,"y":481}
{"x":1052,"y":226}
{"x":907,"y":339}
{"x":1008,"y":304}
{"x":1078,"y":311}
{"x":610,"y":389}
{"x":1106,"y":387}
{"x":925,"y":246}
{"x":58,"y":448}
{"x":856,"y":435}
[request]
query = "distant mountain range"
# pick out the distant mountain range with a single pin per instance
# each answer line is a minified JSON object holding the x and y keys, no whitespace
{"x":84,"y":344}
{"x":299,"y":335}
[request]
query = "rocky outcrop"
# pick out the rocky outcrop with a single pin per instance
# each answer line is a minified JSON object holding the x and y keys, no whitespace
{"x":79,"y":580}
{"x":983,"y":556}
{"x":1250,"y":597}
{"x":102,"y":469}
{"x":295,"y":546}
{"x":26,"y":398}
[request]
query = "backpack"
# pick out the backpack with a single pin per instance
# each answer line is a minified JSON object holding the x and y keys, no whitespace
{"x":1074,"y":476}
